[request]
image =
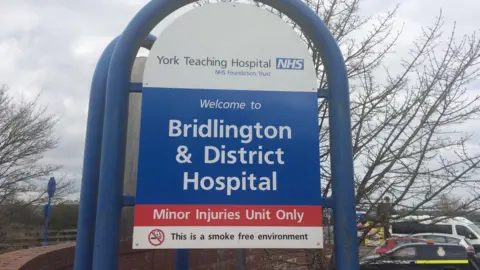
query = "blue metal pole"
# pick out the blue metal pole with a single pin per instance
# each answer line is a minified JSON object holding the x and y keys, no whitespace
{"x":241,"y":259}
{"x":91,"y":163}
{"x":343,"y":188}
{"x":110,"y":187}
{"x":113,"y":149}
{"x":182,"y":259}
{"x":47,"y":216}
{"x":107,"y":233}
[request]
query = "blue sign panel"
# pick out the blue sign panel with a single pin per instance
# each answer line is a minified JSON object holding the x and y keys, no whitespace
{"x":198,"y":154}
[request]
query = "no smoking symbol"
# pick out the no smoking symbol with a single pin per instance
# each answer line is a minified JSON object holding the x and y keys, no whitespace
{"x":156,"y":237}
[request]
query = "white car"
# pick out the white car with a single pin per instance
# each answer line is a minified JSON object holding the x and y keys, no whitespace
{"x":456,"y":226}
{"x":446,"y":238}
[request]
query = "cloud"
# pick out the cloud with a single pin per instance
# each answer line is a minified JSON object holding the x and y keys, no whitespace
{"x":51,"y":47}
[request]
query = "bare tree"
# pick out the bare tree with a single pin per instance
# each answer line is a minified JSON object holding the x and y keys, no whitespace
{"x":26,"y":133}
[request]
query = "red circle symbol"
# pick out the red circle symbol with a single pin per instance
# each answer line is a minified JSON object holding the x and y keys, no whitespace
{"x":156,"y":237}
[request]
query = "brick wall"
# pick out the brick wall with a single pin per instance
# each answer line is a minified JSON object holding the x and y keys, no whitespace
{"x":60,"y":257}
{"x":56,"y":257}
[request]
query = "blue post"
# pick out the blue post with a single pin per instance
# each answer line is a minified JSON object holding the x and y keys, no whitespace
{"x":91,"y":163}
{"x":113,"y":148}
{"x":47,"y":216}
{"x":51,"y":188}
{"x":182,"y":261}
{"x":241,"y":259}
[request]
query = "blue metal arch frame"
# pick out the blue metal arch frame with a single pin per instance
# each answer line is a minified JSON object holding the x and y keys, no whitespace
{"x":91,"y":157}
{"x":115,"y":124}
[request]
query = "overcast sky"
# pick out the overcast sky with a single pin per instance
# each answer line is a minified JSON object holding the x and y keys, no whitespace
{"x":52,"y":46}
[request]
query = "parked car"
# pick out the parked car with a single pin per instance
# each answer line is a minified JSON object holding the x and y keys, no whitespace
{"x":392,"y":243}
{"x":421,"y":256}
{"x":447,"y":238}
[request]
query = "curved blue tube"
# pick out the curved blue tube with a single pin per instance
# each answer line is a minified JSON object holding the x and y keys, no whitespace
{"x":113,"y":149}
{"x":92,"y":156}
{"x":91,"y":162}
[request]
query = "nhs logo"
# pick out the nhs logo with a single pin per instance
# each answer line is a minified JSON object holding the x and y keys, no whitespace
{"x":290,"y":63}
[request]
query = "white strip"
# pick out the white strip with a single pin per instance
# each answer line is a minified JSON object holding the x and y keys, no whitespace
{"x":314,"y":235}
